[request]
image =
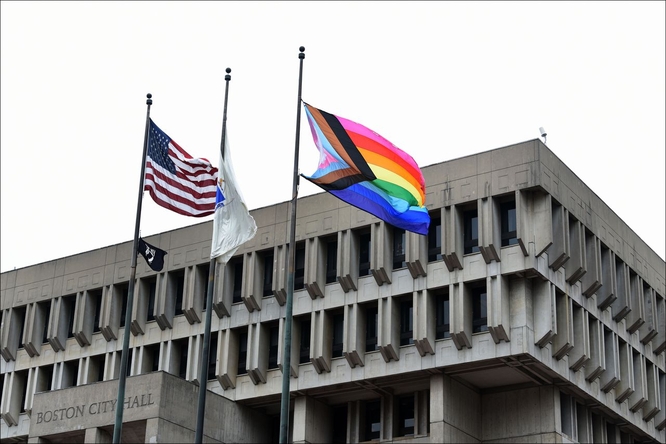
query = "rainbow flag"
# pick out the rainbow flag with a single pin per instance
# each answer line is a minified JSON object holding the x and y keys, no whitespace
{"x":367,"y":171}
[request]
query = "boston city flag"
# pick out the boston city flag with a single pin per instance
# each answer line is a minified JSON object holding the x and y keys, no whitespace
{"x":367,"y":171}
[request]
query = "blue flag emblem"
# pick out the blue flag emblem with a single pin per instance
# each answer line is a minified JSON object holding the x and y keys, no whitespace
{"x":219,"y":195}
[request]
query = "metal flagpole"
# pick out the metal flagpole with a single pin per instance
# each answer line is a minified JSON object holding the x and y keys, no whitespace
{"x":286,"y":363}
{"x":203,"y":373}
{"x":122,"y":377}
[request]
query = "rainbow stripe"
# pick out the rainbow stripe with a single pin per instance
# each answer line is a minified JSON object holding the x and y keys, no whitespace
{"x":367,"y":171}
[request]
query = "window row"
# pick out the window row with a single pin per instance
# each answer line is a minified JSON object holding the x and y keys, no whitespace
{"x":584,"y":424}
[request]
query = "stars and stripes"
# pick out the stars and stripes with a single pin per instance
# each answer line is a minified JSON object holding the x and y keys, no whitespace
{"x":176,"y":180}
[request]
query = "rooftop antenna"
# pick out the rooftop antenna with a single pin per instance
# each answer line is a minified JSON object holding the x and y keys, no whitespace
{"x":543,"y":134}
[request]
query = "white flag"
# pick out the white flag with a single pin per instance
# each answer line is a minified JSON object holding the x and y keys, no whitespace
{"x":232,"y":223}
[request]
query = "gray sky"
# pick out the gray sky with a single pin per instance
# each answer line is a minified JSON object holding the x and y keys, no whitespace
{"x":441,"y":80}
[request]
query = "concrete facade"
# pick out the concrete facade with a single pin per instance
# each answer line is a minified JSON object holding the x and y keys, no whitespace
{"x":530,"y":313}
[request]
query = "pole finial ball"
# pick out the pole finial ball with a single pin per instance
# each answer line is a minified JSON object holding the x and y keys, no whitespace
{"x":149,"y":95}
{"x":302,"y":49}
{"x":228,"y":70}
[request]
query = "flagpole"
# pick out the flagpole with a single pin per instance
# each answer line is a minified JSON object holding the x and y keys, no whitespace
{"x":203,"y":373}
{"x":122,"y":377}
{"x":286,"y":363}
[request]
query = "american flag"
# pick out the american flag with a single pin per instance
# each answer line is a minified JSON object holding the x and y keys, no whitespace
{"x":177,"y":181}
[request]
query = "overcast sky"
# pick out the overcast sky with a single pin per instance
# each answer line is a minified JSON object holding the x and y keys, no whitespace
{"x":439,"y":80}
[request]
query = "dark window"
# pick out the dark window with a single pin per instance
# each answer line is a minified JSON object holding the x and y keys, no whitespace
{"x":331,"y":261}
{"x":406,"y":416}
{"x":180,"y":288}
{"x":274,"y":335}
{"x":45,"y":310}
{"x":398,"y":248}
{"x":371,"y":324}
{"x":23,"y":378}
{"x":69,"y":304}
{"x":372,"y":423}
{"x":72,"y":372}
{"x":610,"y":432}
{"x":203,"y":274}
{"x":20,"y":323}
{"x":338,"y":329}
{"x":567,"y":415}
{"x":237,"y":269}
{"x":508,"y":215}
{"x":471,"y":231}
{"x":128,"y":370}
{"x":124,"y":291}
{"x":479,"y":310}
{"x":242,"y":352}
{"x":47,"y":375}
{"x":299,"y":271}
{"x":212,"y":356}
{"x":152,"y":352}
{"x":406,"y":323}
{"x":435,"y":239}
{"x":152,"y":285}
{"x":100,"y":368}
{"x":364,"y":254}
{"x":339,"y":423}
{"x":305,"y":342}
{"x":182,"y":362}
{"x":95,"y":298}
{"x":442,"y":316}
{"x":268,"y":274}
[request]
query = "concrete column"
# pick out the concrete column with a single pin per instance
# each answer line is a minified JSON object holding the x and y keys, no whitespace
{"x":97,"y":435}
{"x":312,"y":421}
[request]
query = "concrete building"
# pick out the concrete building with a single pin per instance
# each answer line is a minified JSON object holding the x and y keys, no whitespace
{"x":530,"y":313}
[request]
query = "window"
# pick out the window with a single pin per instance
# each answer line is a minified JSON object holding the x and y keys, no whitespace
{"x":180,"y":349}
{"x":46,"y":378}
{"x":274,"y":344}
{"x":372,"y":421}
{"x":299,"y":268}
{"x":242,"y":352}
{"x":123,"y":307}
{"x":128,"y":370}
{"x":152,"y":285}
{"x":44,"y":308}
{"x":97,"y":300}
{"x":267,"y":282}
{"x":479,"y":309}
{"x":70,"y":372}
{"x":120,"y":293}
{"x":212,"y":356}
{"x":69,"y":307}
{"x":471,"y":231}
{"x":96,"y":368}
{"x":21,"y":380}
{"x":331,"y":260}
{"x":364,"y":254}
{"x":237,"y":270}
{"x":20,"y":323}
{"x":398,"y":248}
{"x":371,"y":324}
{"x":202,"y":274}
{"x":435,"y":238}
{"x":406,"y":322}
{"x":151,"y":354}
{"x":568,"y":415}
{"x":339,"y":421}
{"x":338,"y":329}
{"x":176,"y":288}
{"x":405,"y":424}
{"x":508,"y":217}
{"x":305,"y":342}
{"x":442,"y":315}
